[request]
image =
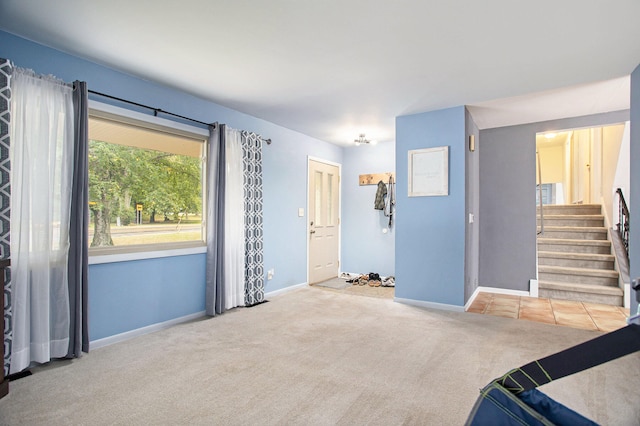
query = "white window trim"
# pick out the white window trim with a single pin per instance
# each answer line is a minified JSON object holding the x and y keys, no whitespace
{"x":155,"y":251}
{"x":141,"y":255}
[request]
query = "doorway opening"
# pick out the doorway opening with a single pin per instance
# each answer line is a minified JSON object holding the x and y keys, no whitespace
{"x":582,"y":166}
{"x":579,"y":173}
{"x":323,"y":229}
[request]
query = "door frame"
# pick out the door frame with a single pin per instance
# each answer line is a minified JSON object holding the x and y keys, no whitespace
{"x":306,"y":216}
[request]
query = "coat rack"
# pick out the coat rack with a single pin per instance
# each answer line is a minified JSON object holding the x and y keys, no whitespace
{"x":374,"y":178}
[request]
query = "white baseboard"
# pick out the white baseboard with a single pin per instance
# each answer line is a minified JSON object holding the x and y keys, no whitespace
{"x":533,"y":288}
{"x":99,"y":343}
{"x":472,"y":298}
{"x":495,"y":290}
{"x":432,"y":305}
{"x":284,"y":290}
{"x":503,"y":291}
{"x":627,"y":296}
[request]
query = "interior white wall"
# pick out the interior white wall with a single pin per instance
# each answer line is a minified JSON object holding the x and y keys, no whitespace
{"x":622,"y":176}
{"x":612,"y":138}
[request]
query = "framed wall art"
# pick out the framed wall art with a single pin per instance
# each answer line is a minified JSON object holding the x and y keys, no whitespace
{"x":429,"y":172}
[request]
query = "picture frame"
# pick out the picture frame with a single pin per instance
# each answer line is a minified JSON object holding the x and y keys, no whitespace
{"x":429,"y":172}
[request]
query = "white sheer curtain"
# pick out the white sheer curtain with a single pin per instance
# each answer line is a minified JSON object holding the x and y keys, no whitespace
{"x":41,"y":157}
{"x":234,"y":253}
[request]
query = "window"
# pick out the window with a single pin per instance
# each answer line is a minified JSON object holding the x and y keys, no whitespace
{"x":145,"y":182}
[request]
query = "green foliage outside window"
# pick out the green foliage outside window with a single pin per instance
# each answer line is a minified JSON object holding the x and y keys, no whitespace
{"x":167,"y":185}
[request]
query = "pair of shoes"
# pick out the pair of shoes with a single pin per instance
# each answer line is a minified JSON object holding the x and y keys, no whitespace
{"x":363,"y":280}
{"x":374,"y":283}
{"x":349,"y":276}
{"x":389,"y":282}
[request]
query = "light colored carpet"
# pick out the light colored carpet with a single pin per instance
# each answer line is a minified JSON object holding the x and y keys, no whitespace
{"x":313,"y":356}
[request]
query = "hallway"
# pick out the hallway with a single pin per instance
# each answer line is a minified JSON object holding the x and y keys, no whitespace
{"x":588,"y":316}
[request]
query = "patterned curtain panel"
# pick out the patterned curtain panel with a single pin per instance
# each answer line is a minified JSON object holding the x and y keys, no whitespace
{"x":254,"y":257}
{"x":6,"y":69}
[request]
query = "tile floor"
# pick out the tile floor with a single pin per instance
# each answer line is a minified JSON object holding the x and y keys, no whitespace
{"x":589,"y":316}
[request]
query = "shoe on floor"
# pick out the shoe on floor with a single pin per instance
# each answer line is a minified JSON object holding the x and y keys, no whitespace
{"x":389,"y":281}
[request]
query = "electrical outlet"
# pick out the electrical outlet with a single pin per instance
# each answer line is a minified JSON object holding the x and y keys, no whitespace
{"x":270,"y":274}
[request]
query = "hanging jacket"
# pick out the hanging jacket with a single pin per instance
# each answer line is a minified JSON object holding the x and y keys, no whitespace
{"x":391,"y":201}
{"x":380,"y":194}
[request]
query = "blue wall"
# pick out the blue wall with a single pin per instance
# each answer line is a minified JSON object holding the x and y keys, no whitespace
{"x":124,"y":296}
{"x":430,"y":232}
{"x":472,"y":241}
{"x":121,"y":299}
{"x":365,"y":248}
{"x":285,"y":191}
{"x":634,"y":201}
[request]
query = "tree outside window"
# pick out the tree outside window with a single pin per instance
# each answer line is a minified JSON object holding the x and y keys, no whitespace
{"x":139,"y":195}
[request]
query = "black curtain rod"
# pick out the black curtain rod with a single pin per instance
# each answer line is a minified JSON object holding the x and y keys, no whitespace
{"x":155,"y":110}
{"x":158,"y":110}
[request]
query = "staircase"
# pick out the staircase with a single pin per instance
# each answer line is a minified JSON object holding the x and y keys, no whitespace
{"x":574,"y":256}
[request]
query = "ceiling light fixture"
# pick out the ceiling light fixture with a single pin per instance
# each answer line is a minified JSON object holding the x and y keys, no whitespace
{"x":362,"y":140}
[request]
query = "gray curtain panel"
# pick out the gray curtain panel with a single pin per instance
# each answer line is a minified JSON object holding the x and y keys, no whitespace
{"x":6,"y":69}
{"x":254,"y":257}
{"x":79,"y":227}
{"x":214,"y":289}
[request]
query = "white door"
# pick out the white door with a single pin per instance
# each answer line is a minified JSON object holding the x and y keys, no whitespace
{"x":595,"y":184}
{"x":581,"y":167}
{"x":324,"y":222}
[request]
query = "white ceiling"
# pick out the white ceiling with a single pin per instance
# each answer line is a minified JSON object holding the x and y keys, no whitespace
{"x":333,"y":69}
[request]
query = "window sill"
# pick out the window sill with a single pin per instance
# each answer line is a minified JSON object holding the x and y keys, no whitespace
{"x":128,"y":253}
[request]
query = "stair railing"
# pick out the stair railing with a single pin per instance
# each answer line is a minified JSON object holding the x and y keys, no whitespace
{"x":540,"y":193}
{"x":623,"y":221}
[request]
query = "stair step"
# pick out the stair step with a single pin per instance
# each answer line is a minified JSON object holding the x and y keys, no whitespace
{"x":584,"y":288}
{"x":581,"y":292}
{"x":570,"y":209}
{"x":578,"y":275}
{"x":574,"y":246}
{"x":574,"y":255}
{"x":576,"y":260}
{"x":591,"y":220}
{"x":574,"y":232}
